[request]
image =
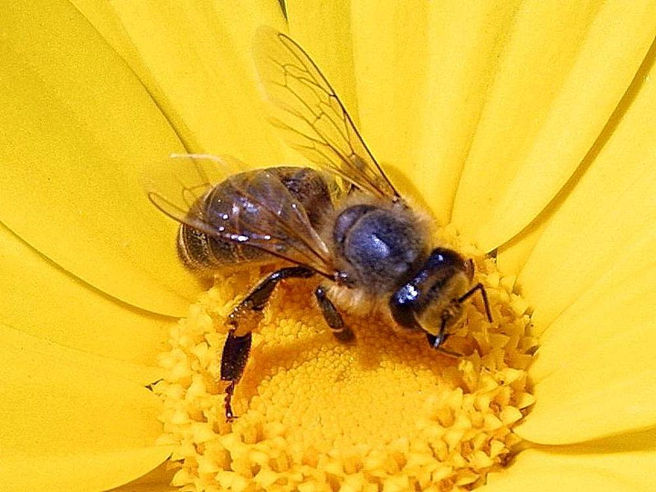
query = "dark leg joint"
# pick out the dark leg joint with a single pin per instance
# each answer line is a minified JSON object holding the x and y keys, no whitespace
{"x":333,"y":318}
{"x":260,"y":295}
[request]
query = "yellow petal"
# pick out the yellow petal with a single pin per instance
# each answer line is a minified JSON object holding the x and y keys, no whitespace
{"x":99,"y":470}
{"x":76,"y":129}
{"x":324,"y":30}
{"x":619,"y":303}
{"x":195,"y":58}
{"x":604,"y":223}
{"x":422,"y":71}
{"x":596,"y":366}
{"x":70,"y":429}
{"x":103,"y":17}
{"x":562,"y":71}
{"x":512,"y":255}
{"x":157,"y":480}
{"x":142,"y":374}
{"x":623,"y":464}
{"x":44,"y":300}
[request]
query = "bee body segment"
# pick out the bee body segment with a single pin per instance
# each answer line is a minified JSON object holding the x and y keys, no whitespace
{"x":227,"y":207}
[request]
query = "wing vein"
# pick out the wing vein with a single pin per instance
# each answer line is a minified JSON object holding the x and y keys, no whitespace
{"x":294,"y":83}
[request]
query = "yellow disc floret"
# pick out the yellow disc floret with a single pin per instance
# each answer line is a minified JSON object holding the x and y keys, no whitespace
{"x":383,"y":413}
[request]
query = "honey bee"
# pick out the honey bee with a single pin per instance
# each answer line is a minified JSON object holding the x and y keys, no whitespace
{"x":343,"y":225}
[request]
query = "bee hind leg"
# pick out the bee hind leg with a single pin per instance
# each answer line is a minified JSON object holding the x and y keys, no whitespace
{"x":243,"y":320}
{"x":333,"y":318}
{"x":233,"y":361}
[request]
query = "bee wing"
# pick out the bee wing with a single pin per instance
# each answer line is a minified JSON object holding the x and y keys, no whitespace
{"x":314,"y":120}
{"x":262,"y":212}
{"x":184,"y":178}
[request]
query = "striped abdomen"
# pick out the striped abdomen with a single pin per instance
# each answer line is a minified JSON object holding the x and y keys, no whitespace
{"x":223,"y":205}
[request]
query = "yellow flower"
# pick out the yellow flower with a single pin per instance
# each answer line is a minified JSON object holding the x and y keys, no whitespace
{"x":529,"y":126}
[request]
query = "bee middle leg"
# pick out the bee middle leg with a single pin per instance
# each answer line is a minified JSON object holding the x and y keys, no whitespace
{"x":334,"y":320}
{"x":243,"y":320}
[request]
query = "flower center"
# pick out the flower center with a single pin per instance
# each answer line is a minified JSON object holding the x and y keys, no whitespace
{"x":385,"y":412}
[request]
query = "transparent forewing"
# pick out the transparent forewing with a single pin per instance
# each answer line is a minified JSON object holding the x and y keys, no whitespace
{"x":313,"y":118}
{"x":250,"y":208}
{"x":184,"y":178}
{"x":272,"y":219}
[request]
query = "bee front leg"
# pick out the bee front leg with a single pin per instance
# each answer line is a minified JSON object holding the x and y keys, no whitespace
{"x":436,"y":341}
{"x":243,"y":320}
{"x":334,"y":320}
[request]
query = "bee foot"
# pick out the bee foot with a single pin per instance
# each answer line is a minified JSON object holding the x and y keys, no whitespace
{"x":345,"y":336}
{"x":230,"y":416}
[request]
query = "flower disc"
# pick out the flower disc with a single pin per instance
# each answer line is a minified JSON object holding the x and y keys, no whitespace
{"x":386,"y":412}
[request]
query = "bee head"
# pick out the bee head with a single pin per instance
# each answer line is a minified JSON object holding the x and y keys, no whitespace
{"x":431,"y":300}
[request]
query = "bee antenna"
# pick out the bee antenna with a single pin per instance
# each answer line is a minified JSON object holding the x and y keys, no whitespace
{"x":470,"y":292}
